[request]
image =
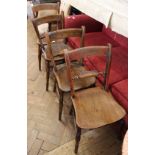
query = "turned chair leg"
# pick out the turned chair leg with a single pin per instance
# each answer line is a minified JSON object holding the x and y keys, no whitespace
{"x":47,"y":74}
{"x":39,"y":56}
{"x":60,"y":103}
{"x":77,"y":140}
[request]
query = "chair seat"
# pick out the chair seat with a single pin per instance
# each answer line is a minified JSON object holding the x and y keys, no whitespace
{"x":44,"y":13}
{"x":94,"y":107}
{"x":63,"y":82}
{"x":57,"y":50}
{"x":58,"y":47}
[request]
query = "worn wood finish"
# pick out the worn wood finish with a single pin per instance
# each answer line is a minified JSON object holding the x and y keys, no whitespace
{"x":63,"y":81}
{"x":53,"y":19}
{"x":80,"y":53}
{"x":44,"y":7}
{"x":61,"y":74}
{"x":62,"y":34}
{"x":94,"y":107}
{"x":42,"y":123}
{"x":86,"y":74}
{"x":55,"y":48}
{"x":70,"y":32}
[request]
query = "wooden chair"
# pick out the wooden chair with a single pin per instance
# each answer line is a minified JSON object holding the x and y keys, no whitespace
{"x":94,"y":107}
{"x":42,"y":45}
{"x":61,"y":78}
{"x":45,"y":9}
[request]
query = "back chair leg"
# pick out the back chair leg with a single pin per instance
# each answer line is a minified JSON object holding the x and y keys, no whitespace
{"x":61,"y":93}
{"x":71,"y":110}
{"x":55,"y":84}
{"x":39,"y":56}
{"x":78,"y":137}
{"x":47,"y":74}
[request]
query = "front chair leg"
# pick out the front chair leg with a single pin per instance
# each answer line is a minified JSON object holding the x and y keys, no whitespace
{"x":121,"y":129}
{"x":39,"y":56}
{"x":78,"y":137}
{"x":47,"y":74}
{"x":60,"y":103}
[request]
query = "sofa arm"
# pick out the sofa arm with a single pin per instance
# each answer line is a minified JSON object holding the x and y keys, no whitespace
{"x":76,"y":21}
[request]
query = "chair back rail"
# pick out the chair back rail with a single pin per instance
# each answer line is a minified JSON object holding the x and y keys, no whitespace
{"x":45,"y":6}
{"x":81,"y":53}
{"x":53,"y":19}
{"x":63,"y":34}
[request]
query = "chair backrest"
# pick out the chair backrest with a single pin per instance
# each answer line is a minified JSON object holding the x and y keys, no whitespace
{"x":81,"y":53}
{"x":63,"y":34}
{"x":45,"y":6}
{"x":53,"y":19}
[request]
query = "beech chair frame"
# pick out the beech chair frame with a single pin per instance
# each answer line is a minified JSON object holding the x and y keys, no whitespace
{"x":53,"y":37}
{"x":56,"y":35}
{"x":53,"y":19}
{"x":79,"y":54}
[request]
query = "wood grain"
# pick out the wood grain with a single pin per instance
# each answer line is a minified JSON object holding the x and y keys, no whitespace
{"x":94,"y":107}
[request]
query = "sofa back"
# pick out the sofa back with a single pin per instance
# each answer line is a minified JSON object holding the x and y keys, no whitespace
{"x":76,"y":21}
{"x":120,"y":39}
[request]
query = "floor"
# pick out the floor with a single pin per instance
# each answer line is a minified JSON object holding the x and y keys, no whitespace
{"x":47,"y":135}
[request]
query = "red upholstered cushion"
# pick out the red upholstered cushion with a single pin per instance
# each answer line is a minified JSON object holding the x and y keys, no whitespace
{"x":92,"y":39}
{"x":120,"y":39}
{"x":76,"y":21}
{"x":126,"y":119}
{"x":119,"y":65}
{"x":109,"y":32}
{"x":120,"y":92}
{"x":123,"y":41}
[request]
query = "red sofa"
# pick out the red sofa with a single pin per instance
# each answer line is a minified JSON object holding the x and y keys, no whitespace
{"x":97,"y":34}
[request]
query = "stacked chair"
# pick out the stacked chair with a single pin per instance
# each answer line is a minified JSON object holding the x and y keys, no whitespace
{"x":45,"y":9}
{"x":60,"y":74}
{"x":51,"y":20}
{"x":92,"y":106}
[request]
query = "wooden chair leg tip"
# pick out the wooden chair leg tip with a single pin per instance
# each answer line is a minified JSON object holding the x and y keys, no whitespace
{"x":59,"y":118}
{"x":75,"y":151}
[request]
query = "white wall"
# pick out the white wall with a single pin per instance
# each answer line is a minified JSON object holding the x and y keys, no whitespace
{"x":113,"y":13}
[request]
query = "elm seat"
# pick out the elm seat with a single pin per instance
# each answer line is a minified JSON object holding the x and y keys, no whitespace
{"x":64,"y":85}
{"x":58,"y":51}
{"x":94,"y":107}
